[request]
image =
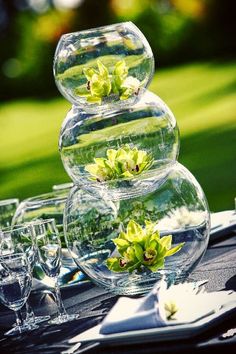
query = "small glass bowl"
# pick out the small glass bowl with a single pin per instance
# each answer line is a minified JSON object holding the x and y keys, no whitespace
{"x":178,"y":207}
{"x":121,"y":43}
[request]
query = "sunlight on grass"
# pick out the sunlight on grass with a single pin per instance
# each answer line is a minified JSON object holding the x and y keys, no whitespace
{"x":202,"y":97}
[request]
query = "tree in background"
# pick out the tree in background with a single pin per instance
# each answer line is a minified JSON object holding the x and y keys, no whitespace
{"x":178,"y":30}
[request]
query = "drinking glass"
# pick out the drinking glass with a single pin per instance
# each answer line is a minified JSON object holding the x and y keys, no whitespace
{"x":15,"y":286}
{"x":50,"y":206}
{"x":20,"y":239}
{"x":7,"y":211}
{"x":49,"y":253}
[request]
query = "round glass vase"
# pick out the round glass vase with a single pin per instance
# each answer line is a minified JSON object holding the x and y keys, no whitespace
{"x":139,"y":144}
{"x":103,"y":68}
{"x":174,"y":213}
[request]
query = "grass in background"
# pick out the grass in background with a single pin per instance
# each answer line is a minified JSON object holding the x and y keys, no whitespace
{"x":203,"y":99}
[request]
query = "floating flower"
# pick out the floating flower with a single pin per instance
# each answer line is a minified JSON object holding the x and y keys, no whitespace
{"x":101,"y":84}
{"x":126,"y":162}
{"x":142,"y":247}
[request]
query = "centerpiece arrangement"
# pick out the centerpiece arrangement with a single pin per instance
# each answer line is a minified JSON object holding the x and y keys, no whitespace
{"x":135,"y":214}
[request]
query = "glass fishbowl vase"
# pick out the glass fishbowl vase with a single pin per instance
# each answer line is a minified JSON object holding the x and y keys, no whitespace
{"x":103,"y":68}
{"x":132,"y":146}
{"x":126,"y":244}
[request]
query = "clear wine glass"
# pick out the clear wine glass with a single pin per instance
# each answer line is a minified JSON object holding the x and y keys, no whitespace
{"x":7,"y":211}
{"x":20,"y":239}
{"x":50,"y":206}
{"x":15,"y":286}
{"x":49,"y":253}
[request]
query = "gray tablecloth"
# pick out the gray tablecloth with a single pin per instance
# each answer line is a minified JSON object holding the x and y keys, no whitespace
{"x":93,"y":303}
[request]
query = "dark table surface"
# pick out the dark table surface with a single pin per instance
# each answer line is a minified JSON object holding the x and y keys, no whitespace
{"x":93,"y":303}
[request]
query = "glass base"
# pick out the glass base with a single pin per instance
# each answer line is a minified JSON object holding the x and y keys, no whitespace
{"x":63,"y":318}
{"x":40,"y":319}
{"x":21,"y":329}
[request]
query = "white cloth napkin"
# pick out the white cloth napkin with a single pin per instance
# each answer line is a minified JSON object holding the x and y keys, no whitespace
{"x":149,"y":312}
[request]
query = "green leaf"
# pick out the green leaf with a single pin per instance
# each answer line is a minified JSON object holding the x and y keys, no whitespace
{"x":174,"y":249}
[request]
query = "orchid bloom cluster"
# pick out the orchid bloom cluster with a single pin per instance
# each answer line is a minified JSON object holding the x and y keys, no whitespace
{"x":141,"y":247}
{"x":101,"y":84}
{"x":126,"y":162}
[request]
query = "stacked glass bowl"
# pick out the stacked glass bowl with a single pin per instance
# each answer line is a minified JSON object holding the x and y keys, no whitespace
{"x":134,"y":215}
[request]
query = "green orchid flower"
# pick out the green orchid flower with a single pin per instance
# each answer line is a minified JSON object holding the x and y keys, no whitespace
{"x":141,"y":247}
{"x":126,"y":162}
{"x":101,"y":84}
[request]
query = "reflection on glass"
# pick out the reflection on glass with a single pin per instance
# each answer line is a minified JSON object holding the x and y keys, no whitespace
{"x":49,"y":252}
{"x":7,"y":211}
{"x":15,"y":286}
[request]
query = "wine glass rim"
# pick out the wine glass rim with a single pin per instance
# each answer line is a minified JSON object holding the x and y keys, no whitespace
{"x":43,"y":221}
{"x":9,"y":201}
{"x":16,"y":227}
{"x":13,"y":255}
{"x":47,"y":198}
{"x":111,"y":26}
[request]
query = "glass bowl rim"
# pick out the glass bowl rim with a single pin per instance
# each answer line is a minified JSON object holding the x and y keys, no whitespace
{"x":92,"y":29}
{"x":5,"y":202}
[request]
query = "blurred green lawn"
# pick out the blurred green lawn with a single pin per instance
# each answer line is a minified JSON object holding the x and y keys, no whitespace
{"x":203,"y":99}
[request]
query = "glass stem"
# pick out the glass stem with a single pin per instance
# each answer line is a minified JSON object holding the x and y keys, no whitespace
{"x":19,"y":320}
{"x":29,"y":312}
{"x":59,"y":303}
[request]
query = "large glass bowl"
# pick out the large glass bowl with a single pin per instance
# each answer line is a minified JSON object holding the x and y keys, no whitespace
{"x":103,"y":62}
{"x":50,"y":206}
{"x":148,"y":126}
{"x":177,"y":206}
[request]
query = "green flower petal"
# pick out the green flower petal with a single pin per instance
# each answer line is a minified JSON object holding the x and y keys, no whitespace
{"x":134,"y":231}
{"x":174,"y":250}
{"x":89,"y":72}
{"x":138,"y":252}
{"x":166,"y":241}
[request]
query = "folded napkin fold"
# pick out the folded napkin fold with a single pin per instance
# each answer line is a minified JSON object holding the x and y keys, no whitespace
{"x":161,"y":307}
